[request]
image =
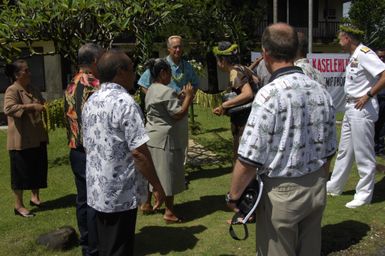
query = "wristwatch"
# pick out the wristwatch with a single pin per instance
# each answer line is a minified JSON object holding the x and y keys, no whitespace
{"x":370,"y":95}
{"x":229,"y":200}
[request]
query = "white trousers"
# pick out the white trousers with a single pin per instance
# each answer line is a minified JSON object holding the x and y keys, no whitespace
{"x":356,"y":143}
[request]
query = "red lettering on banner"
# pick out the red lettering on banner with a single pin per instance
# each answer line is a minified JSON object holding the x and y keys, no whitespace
{"x":330,"y":65}
{"x":323,"y":65}
{"x":336,"y":66}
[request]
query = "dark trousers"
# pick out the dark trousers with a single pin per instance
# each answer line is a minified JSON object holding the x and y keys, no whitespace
{"x":86,"y":216}
{"x":379,"y":126}
{"x":116,"y":233}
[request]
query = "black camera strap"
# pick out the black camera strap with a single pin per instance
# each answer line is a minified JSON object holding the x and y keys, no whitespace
{"x":235,"y":221}
{"x":240,"y":218}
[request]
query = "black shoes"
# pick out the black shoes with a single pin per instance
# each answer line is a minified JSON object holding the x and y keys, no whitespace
{"x":25,"y":215}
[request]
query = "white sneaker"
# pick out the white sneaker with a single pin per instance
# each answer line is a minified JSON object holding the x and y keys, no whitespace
{"x":355,"y":203}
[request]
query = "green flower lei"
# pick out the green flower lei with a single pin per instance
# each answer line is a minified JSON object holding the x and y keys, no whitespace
{"x":229,"y":51}
{"x":180,"y":77}
{"x":350,"y":29}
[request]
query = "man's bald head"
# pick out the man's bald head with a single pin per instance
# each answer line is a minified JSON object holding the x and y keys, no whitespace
{"x":280,"y":41}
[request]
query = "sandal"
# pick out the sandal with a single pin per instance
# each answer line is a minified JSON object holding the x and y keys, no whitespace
{"x":146,"y":209}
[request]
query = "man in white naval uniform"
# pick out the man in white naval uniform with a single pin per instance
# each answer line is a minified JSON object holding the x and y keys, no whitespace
{"x":365,"y":77}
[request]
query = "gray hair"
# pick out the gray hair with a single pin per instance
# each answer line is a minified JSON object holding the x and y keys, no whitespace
{"x":88,"y":53}
{"x":172,"y":37}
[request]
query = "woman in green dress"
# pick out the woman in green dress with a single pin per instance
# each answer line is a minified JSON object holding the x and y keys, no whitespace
{"x":166,"y":129}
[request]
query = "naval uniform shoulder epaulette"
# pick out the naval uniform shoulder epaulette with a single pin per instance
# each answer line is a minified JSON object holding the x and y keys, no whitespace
{"x":365,"y":49}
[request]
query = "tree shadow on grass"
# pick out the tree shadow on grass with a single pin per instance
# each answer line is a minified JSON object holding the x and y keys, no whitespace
{"x":164,"y":240}
{"x":379,"y":191}
{"x":61,"y":202}
{"x":59,"y":161}
{"x":221,"y":129}
{"x":206,"y":205}
{"x":340,"y":236}
{"x":200,"y":173}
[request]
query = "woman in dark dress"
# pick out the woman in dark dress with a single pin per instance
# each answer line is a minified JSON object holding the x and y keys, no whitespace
{"x":26,"y":136}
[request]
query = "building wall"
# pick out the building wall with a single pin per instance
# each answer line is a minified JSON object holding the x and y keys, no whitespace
{"x":52,"y":76}
{"x":332,"y":6}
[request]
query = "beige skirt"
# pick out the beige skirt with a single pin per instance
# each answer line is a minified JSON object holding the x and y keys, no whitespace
{"x":170,"y":169}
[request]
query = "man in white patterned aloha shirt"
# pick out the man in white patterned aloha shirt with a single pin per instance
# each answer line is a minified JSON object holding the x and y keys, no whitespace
{"x":302,"y":62}
{"x":289,"y":140}
{"x":117,"y":156}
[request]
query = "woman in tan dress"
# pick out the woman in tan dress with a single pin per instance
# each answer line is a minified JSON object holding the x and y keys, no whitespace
{"x":26,"y":137}
{"x":165,"y":127}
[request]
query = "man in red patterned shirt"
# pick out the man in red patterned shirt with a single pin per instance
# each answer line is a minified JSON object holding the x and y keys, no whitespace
{"x":83,"y":84}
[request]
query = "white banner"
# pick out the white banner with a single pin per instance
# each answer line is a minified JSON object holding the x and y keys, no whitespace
{"x":332,"y":67}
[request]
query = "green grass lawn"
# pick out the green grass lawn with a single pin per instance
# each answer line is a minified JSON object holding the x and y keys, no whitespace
{"x":345,"y":231}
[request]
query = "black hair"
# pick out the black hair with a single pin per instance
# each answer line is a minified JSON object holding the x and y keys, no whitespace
{"x":230,"y":59}
{"x":88,"y":53}
{"x":280,"y":41}
{"x":110,"y":62}
{"x":156,"y":66}
{"x":13,"y":68}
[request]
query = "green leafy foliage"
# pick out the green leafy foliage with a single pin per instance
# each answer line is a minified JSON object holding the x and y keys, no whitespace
{"x":218,"y":20}
{"x":368,"y":15}
{"x":71,"y":23}
{"x":53,"y":116}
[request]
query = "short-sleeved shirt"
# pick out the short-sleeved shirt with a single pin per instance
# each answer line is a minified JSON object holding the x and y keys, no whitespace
{"x":82,"y":85}
{"x":291,"y":128}
{"x":239,"y":76}
{"x":112,"y":128}
{"x":262,"y":72}
{"x":362,"y":71}
{"x":181,"y":75}
{"x":310,"y":71}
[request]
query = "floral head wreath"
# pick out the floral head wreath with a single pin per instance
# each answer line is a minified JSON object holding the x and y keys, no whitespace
{"x":232,"y":50}
{"x":350,"y":29}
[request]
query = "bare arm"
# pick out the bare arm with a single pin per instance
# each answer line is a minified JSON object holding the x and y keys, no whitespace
{"x":245,"y":96}
{"x":242,"y":175}
{"x":144,"y":164}
{"x":144,"y":90}
{"x":255,"y":63}
{"x":188,"y":91}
